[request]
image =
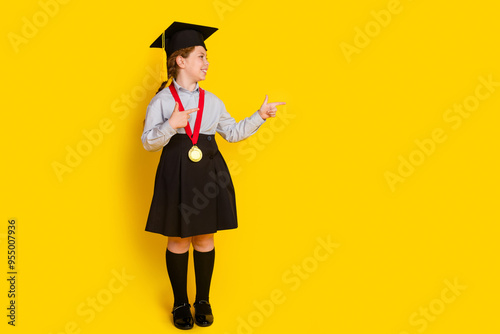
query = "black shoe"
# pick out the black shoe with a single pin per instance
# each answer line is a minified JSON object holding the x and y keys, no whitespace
{"x":183,"y":319}
{"x":203,"y":313}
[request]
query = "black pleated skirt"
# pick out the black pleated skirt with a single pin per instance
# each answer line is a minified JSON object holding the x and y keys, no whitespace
{"x":192,"y":198}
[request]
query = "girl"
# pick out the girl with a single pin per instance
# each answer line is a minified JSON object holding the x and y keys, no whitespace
{"x":193,"y":193}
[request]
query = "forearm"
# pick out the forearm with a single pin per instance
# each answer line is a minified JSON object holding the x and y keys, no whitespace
{"x":157,"y":137}
{"x":234,"y":132}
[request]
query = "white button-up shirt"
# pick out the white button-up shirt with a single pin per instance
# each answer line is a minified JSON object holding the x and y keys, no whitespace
{"x":157,"y":130}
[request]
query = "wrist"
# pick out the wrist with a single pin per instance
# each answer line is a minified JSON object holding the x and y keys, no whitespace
{"x":262,"y":114}
{"x":172,"y":125}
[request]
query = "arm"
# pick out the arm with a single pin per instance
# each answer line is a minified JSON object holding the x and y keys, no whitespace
{"x":157,"y":131}
{"x":233,"y":132}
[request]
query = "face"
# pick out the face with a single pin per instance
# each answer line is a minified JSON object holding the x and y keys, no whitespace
{"x":196,"y":64}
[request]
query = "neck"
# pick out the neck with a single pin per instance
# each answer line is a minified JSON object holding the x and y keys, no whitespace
{"x":185,"y":82}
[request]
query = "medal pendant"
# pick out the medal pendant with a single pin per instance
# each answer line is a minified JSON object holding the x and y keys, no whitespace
{"x":195,"y":154}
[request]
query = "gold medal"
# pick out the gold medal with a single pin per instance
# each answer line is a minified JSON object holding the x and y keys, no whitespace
{"x":195,"y":154}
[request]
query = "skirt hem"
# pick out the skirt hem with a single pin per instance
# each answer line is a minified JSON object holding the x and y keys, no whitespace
{"x":187,"y":236}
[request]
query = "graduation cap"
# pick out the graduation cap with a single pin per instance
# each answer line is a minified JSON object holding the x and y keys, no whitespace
{"x":182,"y":35}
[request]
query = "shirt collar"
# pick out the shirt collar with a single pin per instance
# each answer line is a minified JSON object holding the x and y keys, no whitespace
{"x":182,"y":89}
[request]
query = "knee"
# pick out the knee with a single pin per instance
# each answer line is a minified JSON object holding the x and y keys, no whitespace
{"x":203,"y":243}
{"x":178,"y":245}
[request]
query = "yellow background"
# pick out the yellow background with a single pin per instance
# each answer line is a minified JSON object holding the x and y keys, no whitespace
{"x":319,"y":172}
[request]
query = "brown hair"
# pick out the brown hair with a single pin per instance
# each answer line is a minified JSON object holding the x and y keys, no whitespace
{"x":172,"y":66}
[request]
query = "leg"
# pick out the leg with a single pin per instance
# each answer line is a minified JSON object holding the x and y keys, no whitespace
{"x":203,"y":242}
{"x":204,"y":258}
{"x":178,"y":245}
{"x":177,"y":257}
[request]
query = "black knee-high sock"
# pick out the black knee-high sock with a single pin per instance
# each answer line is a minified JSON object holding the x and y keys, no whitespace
{"x":177,"y":267}
{"x":203,"y":268}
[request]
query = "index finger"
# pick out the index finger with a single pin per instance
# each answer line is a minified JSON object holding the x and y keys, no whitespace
{"x":190,"y":111}
{"x":274,"y":104}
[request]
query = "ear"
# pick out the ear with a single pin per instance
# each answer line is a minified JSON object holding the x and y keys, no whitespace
{"x":180,"y":61}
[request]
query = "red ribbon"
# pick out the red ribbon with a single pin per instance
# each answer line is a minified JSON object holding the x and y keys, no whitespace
{"x":197,"y":124}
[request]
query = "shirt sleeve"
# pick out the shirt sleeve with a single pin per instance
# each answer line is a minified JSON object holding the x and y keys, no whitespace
{"x":157,"y":130}
{"x":233,"y":131}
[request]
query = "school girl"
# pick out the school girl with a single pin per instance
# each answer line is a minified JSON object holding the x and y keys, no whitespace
{"x":193,"y":193}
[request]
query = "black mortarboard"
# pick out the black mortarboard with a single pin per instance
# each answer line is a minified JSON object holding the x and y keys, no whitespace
{"x":183,"y":35}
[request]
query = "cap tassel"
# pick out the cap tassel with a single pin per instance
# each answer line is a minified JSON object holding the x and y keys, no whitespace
{"x":164,"y":69}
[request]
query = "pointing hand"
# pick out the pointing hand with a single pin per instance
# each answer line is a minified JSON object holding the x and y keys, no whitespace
{"x":179,"y":119}
{"x":269,"y":109}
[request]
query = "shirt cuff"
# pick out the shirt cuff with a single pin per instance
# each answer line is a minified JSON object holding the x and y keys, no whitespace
{"x":256,"y":119}
{"x":167,"y":130}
